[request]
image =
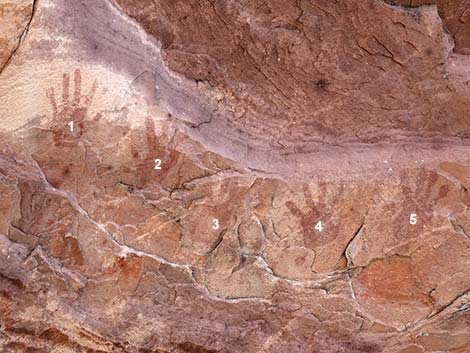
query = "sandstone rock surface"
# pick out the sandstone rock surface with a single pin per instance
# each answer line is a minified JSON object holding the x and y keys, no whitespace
{"x":226,"y":176}
{"x":15,"y":17}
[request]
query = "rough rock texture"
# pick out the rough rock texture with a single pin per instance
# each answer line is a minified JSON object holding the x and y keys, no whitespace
{"x":14,"y":18}
{"x":455,"y":15}
{"x":164,"y":166}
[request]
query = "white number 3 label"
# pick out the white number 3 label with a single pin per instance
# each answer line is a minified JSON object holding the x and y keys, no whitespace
{"x":215,"y":224}
{"x":319,"y":226}
{"x":413,"y":219}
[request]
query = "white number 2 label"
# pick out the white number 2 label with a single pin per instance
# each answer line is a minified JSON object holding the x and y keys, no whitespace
{"x":215,"y":224}
{"x":319,"y":226}
{"x":413,"y":219}
{"x":158,"y":164}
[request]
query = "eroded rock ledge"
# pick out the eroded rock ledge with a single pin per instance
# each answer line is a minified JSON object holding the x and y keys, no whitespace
{"x":234,"y":176}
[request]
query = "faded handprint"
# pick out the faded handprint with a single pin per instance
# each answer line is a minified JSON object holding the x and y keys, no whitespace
{"x":315,"y":212}
{"x":145,"y":150}
{"x":70,"y":115}
{"x":419,"y":194}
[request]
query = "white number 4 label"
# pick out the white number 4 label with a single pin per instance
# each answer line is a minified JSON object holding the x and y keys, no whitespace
{"x":413,"y":219}
{"x":319,"y":226}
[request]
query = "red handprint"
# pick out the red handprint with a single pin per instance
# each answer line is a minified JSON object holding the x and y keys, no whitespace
{"x":69,"y":117}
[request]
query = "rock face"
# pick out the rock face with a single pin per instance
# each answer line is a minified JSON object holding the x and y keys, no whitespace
{"x":455,"y":16}
{"x":15,"y":17}
{"x":234,"y":176}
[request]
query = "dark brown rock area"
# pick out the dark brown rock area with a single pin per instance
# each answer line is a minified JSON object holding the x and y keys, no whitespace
{"x":223,"y":176}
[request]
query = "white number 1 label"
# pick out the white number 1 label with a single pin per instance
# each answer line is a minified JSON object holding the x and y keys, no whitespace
{"x":413,"y":219}
{"x":319,"y":226}
{"x":71,"y":125}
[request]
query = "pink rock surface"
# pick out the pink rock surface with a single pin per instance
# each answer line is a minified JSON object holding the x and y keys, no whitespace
{"x":226,"y":176}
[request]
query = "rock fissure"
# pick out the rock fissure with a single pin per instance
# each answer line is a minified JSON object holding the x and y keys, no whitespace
{"x":21,"y":38}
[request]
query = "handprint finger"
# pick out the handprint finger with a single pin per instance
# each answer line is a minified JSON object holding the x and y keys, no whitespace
{"x":78,"y":87}
{"x":65,"y":89}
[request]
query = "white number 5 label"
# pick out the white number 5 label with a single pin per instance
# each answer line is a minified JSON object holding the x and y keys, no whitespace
{"x":413,"y":219}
